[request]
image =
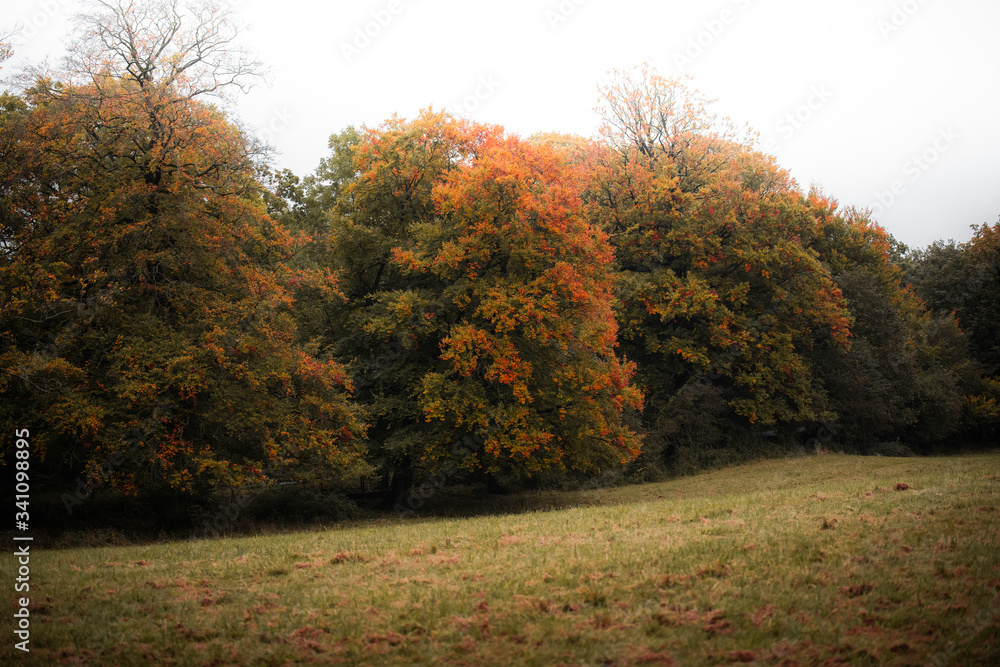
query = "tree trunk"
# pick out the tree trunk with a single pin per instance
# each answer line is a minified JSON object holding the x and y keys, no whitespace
{"x":399,"y":489}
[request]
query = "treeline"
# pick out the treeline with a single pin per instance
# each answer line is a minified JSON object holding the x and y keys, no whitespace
{"x":442,"y":301}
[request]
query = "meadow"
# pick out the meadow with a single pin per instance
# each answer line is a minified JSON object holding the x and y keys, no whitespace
{"x":825,"y":559}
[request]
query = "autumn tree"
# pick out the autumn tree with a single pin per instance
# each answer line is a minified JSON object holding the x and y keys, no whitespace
{"x":718,"y":294}
{"x":904,"y":375}
{"x":146,"y":314}
{"x":477,"y":305}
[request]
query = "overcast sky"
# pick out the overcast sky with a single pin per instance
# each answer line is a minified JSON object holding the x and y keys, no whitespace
{"x":888,"y":104}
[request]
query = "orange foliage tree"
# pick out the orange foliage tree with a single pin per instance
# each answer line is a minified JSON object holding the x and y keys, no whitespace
{"x":468,"y":249}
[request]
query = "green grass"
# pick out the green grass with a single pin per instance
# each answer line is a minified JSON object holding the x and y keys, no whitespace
{"x":805,"y":561}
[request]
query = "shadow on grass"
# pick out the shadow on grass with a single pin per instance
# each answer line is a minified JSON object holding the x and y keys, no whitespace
{"x":107,"y":523}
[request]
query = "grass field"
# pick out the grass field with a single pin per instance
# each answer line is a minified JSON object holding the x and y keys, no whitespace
{"x":825,"y":559}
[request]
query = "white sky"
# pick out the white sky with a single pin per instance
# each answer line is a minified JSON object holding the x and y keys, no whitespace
{"x":887,"y":81}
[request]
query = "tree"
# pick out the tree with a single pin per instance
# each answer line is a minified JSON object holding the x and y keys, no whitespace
{"x":961,"y":282}
{"x":750,"y":303}
{"x":651,"y":118}
{"x":964,"y":279}
{"x":190,"y":49}
{"x":146,"y":317}
{"x":530,"y":361}
{"x":477,"y":305}
{"x":980,"y":314}
{"x":716,"y":282}
{"x":907,"y":369}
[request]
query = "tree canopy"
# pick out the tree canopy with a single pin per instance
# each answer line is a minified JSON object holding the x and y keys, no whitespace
{"x":442,"y":298}
{"x":147,"y":300}
{"x":468,"y":267}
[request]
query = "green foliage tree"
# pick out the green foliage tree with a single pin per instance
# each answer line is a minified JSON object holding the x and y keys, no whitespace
{"x":979,"y":315}
{"x":964,"y":279}
{"x":907,"y":368}
{"x":962,"y":282}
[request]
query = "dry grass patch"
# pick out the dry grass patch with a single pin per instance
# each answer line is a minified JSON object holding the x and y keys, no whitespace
{"x":802,"y":561}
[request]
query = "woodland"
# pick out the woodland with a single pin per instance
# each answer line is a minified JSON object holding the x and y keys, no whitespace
{"x":441,"y":302}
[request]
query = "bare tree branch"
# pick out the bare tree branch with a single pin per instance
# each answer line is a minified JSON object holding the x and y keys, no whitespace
{"x":190,"y":48}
